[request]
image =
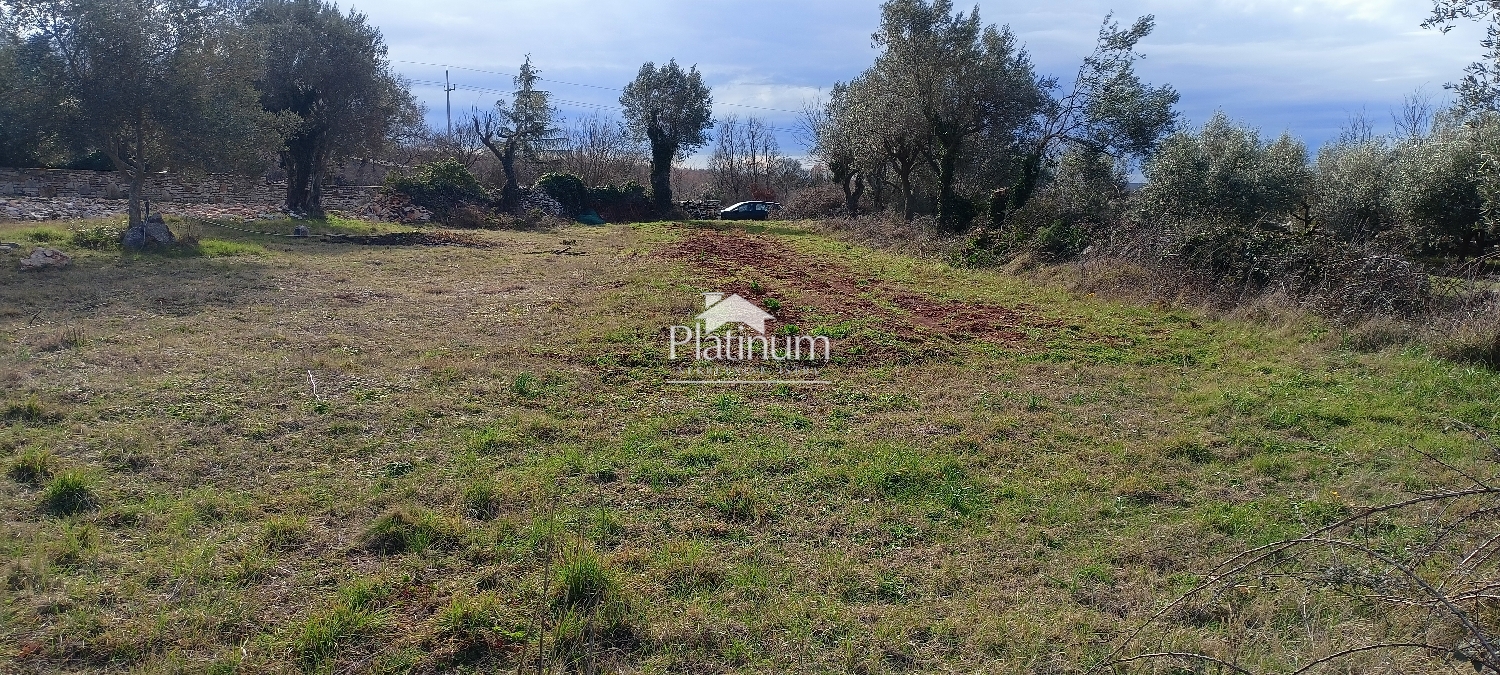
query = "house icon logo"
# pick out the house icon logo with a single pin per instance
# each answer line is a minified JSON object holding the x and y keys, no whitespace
{"x":744,"y":352}
{"x":720,"y":311}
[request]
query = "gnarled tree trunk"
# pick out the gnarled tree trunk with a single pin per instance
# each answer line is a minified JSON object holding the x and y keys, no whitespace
{"x":662,"y":154}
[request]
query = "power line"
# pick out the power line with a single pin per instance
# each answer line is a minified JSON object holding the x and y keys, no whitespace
{"x":580,"y":104}
{"x":579,"y":84}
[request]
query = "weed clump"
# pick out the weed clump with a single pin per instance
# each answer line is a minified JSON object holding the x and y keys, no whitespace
{"x":481,"y":498}
{"x":29,"y":411}
{"x":592,"y":612}
{"x":1476,"y":344}
{"x":740,"y":503}
{"x":283,"y":533}
{"x":409,"y":530}
{"x":526,"y":386}
{"x":471,"y":627}
{"x":69,"y":493}
{"x":494,"y":438}
{"x":33,"y":467}
{"x":355,"y":614}
{"x":583,"y":581}
{"x":689,"y":567}
{"x":469,"y":615}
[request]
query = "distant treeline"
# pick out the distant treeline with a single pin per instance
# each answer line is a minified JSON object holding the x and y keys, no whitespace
{"x":953,"y":124}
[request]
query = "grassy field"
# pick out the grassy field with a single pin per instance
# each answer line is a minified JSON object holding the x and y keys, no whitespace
{"x":278,"y":455}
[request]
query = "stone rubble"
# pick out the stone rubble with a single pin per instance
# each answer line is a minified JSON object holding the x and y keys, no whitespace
{"x":45,"y":257}
{"x":536,"y":200}
{"x":393,"y":208}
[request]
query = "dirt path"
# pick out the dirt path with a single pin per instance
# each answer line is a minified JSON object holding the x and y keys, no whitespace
{"x":815,"y":291}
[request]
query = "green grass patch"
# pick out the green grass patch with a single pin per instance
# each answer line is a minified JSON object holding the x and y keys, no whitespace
{"x":69,"y":493}
{"x":33,"y":467}
{"x":216,"y":248}
{"x":410,"y":530}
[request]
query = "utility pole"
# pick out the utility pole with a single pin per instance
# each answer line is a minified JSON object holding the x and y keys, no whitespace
{"x":448,"y":94}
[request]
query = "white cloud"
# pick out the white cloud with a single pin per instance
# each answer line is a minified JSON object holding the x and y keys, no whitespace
{"x":1302,"y":65}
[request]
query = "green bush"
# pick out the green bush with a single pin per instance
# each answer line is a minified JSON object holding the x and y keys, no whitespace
{"x":442,"y":187}
{"x":567,"y":189}
{"x":621,"y":203}
{"x":619,"y":195}
{"x":98,"y":238}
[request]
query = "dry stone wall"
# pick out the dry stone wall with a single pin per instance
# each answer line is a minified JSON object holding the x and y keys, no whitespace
{"x":212,"y":189}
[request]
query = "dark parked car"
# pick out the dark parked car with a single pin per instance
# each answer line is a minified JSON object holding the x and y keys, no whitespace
{"x":749,"y":211}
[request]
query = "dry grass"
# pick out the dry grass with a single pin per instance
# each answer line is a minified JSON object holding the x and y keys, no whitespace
{"x":333,"y":458}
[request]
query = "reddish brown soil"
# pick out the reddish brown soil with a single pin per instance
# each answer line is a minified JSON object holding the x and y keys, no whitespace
{"x":733,"y":260}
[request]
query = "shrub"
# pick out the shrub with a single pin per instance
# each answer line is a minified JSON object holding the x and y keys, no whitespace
{"x":441,"y":187}
{"x":1224,"y":174}
{"x":1474,"y":341}
{"x":98,"y":238}
{"x":567,"y":189}
{"x":1086,"y":192}
{"x":816,"y":202}
{"x":69,"y":493}
{"x":622,"y":204}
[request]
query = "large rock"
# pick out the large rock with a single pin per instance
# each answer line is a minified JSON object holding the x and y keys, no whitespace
{"x":152,"y":232}
{"x":45,"y":257}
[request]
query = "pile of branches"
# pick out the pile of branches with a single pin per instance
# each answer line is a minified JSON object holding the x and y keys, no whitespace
{"x":1409,"y":586}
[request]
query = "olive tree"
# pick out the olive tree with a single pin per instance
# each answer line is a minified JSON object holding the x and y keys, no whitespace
{"x":1441,"y":192}
{"x":1107,"y":110}
{"x":673,"y":110}
{"x":1479,"y":90}
{"x":153,"y":84}
{"x":1225,"y":172}
{"x":1217,"y":199}
{"x":839,"y":143}
{"x":964,"y":78}
{"x":327,"y":73}
{"x":873,"y":126}
{"x":1351,"y":190}
{"x":26,"y":137}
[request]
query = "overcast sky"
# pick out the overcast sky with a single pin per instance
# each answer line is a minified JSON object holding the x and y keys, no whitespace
{"x":1282,"y":65}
